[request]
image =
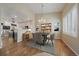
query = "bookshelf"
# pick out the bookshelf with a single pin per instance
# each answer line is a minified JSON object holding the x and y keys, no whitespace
{"x":46,"y":27}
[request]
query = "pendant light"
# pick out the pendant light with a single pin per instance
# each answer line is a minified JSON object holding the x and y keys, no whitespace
{"x":41,"y":17}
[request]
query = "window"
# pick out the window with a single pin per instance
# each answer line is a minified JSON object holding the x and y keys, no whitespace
{"x":70,"y":22}
{"x":74,"y":21}
{"x":65,"y":24}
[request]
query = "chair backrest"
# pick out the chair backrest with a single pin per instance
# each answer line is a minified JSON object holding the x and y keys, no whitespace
{"x":37,"y":37}
{"x":34,"y":36}
{"x":52,"y":36}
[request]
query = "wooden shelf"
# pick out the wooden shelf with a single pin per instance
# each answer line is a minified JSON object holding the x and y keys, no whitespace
{"x":46,"y":27}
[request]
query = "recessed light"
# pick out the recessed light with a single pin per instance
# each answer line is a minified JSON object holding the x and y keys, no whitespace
{"x":15,"y":16}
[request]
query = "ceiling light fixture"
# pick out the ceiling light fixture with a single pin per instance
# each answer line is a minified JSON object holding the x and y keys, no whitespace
{"x":42,"y":11}
{"x":15,"y":16}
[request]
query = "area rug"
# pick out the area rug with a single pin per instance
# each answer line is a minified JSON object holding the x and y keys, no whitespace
{"x":43,"y":54}
{"x":46,"y":48}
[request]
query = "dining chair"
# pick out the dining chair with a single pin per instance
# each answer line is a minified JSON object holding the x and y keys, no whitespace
{"x":51,"y":38}
{"x":37,"y":38}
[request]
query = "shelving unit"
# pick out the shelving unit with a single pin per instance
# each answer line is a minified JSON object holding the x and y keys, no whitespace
{"x":46,"y":27}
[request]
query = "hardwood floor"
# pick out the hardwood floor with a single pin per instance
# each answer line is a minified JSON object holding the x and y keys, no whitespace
{"x":62,"y":49}
{"x":18,"y":49}
{"x":21,"y":49}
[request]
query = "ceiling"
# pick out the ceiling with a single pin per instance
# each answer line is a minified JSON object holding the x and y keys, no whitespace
{"x":47,"y":7}
{"x":37,"y":7}
{"x":23,"y":10}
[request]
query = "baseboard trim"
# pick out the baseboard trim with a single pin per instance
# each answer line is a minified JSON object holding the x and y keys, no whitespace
{"x":70,"y":47}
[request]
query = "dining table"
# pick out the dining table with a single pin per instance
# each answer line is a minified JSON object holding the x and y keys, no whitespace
{"x":44,"y":37}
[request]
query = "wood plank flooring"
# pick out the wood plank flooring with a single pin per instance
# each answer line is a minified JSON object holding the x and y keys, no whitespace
{"x":18,"y":49}
{"x":21,"y":49}
{"x":62,"y":49}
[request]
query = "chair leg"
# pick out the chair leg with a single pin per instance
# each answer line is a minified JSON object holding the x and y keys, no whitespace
{"x":52,"y":43}
{"x":48,"y":41}
{"x":40,"y":46}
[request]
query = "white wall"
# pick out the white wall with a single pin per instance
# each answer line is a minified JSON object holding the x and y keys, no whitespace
{"x":49,"y":18}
